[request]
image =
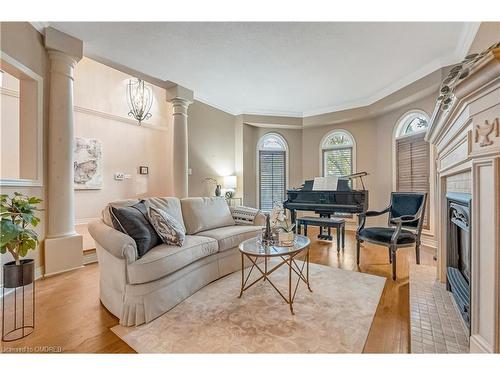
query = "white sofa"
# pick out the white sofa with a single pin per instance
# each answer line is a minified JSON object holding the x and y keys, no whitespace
{"x":138,"y":290}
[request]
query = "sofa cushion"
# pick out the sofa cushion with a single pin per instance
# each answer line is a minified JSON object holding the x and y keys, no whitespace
{"x":134,"y":221}
{"x":205,"y":213}
{"x":171,"y":205}
{"x":166,"y":259}
{"x":229,"y":237}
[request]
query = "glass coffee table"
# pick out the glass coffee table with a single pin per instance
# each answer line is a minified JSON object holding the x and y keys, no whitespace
{"x":253,"y":249}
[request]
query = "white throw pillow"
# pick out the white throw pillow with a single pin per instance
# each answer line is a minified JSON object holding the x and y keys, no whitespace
{"x":170,"y":230}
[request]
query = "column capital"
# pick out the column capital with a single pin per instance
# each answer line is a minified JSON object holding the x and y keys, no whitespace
{"x":180,"y":106}
{"x":62,"y":63}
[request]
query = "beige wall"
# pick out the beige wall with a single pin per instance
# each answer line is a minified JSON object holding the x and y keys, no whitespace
{"x":211,"y":135}
{"x":374,"y":148}
{"x":23,"y":43}
{"x":101,"y":112}
{"x":251,"y":137}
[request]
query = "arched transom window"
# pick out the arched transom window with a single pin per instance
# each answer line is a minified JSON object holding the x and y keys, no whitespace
{"x":272,"y":159}
{"x":411,"y":123}
{"x":337,"y":149}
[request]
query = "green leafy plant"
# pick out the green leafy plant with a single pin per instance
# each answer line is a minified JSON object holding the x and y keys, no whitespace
{"x":18,"y":217}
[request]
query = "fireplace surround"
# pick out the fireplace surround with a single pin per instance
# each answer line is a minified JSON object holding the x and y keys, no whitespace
{"x":458,"y":251}
{"x":464,"y":132}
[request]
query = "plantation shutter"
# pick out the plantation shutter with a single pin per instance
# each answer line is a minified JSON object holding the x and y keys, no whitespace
{"x":337,"y":162}
{"x":272,"y":179}
{"x":413,"y":164}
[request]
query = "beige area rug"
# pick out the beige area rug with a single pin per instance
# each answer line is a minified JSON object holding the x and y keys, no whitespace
{"x":335,"y":318}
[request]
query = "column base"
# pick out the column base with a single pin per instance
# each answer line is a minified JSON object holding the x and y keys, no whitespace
{"x":63,"y":254}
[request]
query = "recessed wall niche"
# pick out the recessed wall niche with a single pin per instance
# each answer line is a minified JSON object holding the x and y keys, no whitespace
{"x":21,"y":98}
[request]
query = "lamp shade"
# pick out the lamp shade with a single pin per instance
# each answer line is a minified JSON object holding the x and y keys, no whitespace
{"x":230,"y":182}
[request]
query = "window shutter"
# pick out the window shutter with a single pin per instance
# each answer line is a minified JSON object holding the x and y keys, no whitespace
{"x":337,"y":162}
{"x":413,"y":167}
{"x":272,"y":179}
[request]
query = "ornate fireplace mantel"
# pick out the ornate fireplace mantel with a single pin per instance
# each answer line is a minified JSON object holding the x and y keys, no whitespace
{"x":465,"y":132}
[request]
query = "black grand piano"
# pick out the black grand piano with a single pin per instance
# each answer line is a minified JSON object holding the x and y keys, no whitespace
{"x":328,"y":202}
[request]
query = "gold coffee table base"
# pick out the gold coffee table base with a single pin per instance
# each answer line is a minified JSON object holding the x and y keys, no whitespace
{"x":288,"y":259}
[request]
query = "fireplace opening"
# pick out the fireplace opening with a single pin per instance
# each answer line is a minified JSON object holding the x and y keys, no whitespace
{"x":458,"y":266}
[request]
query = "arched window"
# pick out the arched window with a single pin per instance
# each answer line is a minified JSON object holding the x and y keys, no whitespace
{"x":411,"y":123}
{"x":337,"y":153}
{"x":412,"y":155}
{"x":272,"y":155}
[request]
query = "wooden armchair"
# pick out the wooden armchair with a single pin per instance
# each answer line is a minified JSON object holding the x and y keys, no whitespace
{"x":406,"y":213}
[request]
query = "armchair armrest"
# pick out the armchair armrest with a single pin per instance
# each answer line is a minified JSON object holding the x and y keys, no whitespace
{"x":404,"y":219}
{"x":113,"y":241}
{"x":377,"y":213}
{"x":243,"y":215}
{"x":362,"y":217}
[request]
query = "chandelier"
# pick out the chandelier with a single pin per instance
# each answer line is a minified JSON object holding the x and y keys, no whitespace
{"x":140,"y":99}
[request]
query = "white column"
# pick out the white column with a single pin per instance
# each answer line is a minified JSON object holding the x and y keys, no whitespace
{"x":63,"y":246}
{"x":180,"y":146}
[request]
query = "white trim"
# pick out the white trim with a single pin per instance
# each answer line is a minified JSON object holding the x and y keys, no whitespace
{"x":109,"y":116}
{"x":274,"y":126}
{"x":38,"y":181}
{"x":89,"y":257}
{"x":9,"y":92}
{"x":354,"y":149}
{"x":466,"y":38}
{"x":257,"y":163}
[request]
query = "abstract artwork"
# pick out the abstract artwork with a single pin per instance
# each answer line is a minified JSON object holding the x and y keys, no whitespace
{"x":87,"y":164}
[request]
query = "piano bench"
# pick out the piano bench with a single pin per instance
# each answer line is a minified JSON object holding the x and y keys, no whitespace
{"x":323,"y":222}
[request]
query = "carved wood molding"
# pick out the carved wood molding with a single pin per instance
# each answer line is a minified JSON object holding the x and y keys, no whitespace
{"x":483,"y":132}
{"x":458,"y":73}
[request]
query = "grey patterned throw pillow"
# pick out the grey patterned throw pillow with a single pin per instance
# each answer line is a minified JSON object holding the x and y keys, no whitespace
{"x":169,"y":229}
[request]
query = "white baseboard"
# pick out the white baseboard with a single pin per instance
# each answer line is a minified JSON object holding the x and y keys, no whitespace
{"x":89,"y":257}
{"x":429,"y":242}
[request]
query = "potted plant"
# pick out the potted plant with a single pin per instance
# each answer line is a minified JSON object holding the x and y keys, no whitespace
{"x":281,"y":221}
{"x":18,"y":238}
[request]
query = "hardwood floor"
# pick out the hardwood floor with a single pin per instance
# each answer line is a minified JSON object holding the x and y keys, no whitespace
{"x":70,"y":317}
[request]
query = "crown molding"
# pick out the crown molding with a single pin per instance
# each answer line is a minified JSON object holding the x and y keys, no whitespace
{"x":466,"y":38}
{"x":40,"y":26}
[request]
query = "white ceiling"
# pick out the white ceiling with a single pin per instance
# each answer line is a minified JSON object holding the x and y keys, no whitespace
{"x":290,"y":69}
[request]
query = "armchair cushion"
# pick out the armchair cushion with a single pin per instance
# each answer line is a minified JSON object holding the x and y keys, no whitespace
{"x":384,"y":235}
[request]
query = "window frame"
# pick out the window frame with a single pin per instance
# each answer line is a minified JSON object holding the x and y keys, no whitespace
{"x":323,"y":148}
{"x":258,"y":148}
